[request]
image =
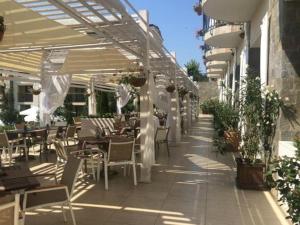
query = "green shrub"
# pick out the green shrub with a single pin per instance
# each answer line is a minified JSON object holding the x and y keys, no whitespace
{"x":225,"y":116}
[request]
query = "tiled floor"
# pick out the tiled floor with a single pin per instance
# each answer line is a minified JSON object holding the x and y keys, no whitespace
{"x":193,"y":186}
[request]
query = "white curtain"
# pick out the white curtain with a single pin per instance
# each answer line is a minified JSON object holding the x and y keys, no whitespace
{"x":264,"y":50}
{"x":54,"y":88}
{"x":123,"y":96}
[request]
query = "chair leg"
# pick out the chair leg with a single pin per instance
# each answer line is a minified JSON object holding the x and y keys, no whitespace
{"x":72,"y":213}
{"x":106,"y":175}
{"x":134,"y":174}
{"x":98,"y":172}
{"x":125,"y":170}
{"x":64,"y":213}
{"x":10,"y":155}
{"x":93,"y":169}
{"x":168,"y":149}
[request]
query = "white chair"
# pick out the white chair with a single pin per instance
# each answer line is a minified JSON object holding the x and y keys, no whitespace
{"x":161,"y":137}
{"x":7,"y":145}
{"x":120,"y":153}
{"x":58,"y":194}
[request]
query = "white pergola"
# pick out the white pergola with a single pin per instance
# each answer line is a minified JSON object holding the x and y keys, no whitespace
{"x":92,"y":43}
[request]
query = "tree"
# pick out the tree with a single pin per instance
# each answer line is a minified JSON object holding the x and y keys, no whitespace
{"x":193,"y":70}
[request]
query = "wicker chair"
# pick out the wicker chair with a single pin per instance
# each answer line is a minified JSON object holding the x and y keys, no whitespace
{"x":161,"y":137}
{"x":69,"y":135}
{"x":40,"y":138}
{"x":120,"y":153}
{"x":58,"y":194}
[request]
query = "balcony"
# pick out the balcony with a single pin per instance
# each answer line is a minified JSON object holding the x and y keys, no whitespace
{"x":223,"y":35}
{"x":230,"y":10}
{"x":214,"y":76}
{"x":219,"y":54}
{"x":216,"y":65}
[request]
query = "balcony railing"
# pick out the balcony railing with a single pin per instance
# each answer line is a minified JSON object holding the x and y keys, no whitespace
{"x":209,"y":24}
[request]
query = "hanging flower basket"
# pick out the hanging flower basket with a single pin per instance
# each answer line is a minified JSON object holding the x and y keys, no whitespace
{"x":88,"y":93}
{"x":36,"y":91}
{"x":182,"y":92}
{"x":200,"y":33}
{"x":170,"y":88}
{"x":198,"y":9}
{"x":2,"y":28}
{"x":137,"y":81}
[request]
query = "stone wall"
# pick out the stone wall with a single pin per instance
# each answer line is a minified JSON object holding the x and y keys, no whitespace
{"x":284,"y":59}
{"x":208,"y":90}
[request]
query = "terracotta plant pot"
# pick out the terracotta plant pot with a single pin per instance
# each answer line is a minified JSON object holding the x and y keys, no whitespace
{"x":233,"y":139}
{"x":170,"y":88}
{"x":250,"y":176}
{"x":137,"y":81}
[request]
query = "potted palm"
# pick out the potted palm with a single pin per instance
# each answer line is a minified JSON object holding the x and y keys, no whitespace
{"x":2,"y":27}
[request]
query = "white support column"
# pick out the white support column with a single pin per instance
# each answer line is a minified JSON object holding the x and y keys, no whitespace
{"x":92,"y":109}
{"x":174,"y":112}
{"x":185,"y":114}
{"x":234,"y":77}
{"x":146,"y":112}
{"x":189,"y":111}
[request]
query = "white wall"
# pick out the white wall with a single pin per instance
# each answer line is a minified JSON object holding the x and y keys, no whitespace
{"x":256,"y":22}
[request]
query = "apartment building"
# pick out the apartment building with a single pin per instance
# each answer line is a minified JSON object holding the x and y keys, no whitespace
{"x":262,"y":34}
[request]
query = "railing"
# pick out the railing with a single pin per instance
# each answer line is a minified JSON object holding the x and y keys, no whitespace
{"x":209,"y":24}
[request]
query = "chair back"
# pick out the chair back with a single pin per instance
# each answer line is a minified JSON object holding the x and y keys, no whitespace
{"x":70,"y":132}
{"x":121,"y":150}
{"x":77,"y":120}
{"x":61,"y":152}
{"x":4,"y":140}
{"x":70,"y":173}
{"x":19,"y":126}
{"x":8,"y":213}
{"x":162,"y":134}
{"x":106,"y":131}
{"x":52,"y":133}
{"x":41,"y":133}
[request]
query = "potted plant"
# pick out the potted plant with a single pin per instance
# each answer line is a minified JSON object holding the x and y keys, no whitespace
{"x":198,"y":8}
{"x":182,"y":91}
{"x":250,"y":167}
{"x":138,"y":81}
{"x":2,"y":28}
{"x":285,"y":178}
{"x":170,"y":88}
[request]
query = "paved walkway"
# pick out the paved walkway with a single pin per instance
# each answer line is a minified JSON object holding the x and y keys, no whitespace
{"x":193,"y":187}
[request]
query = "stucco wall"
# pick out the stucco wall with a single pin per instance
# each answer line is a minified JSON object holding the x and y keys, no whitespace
{"x":208,"y":90}
{"x":284,"y":63}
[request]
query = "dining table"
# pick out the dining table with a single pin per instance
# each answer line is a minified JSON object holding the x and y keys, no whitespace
{"x":26,"y":134}
{"x":15,"y":180}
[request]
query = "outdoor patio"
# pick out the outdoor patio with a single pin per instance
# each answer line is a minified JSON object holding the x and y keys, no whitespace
{"x":193,"y":186}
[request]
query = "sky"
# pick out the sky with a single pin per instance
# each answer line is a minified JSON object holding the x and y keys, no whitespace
{"x":178,"y":24}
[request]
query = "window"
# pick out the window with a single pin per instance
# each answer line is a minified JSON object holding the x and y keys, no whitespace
{"x":25,"y":93}
{"x":24,"y":107}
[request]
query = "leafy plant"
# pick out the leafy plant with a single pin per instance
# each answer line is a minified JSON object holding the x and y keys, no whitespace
{"x":286,"y":179}
{"x":2,"y":25}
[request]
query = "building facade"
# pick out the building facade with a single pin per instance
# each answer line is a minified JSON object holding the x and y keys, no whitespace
{"x":263,"y":35}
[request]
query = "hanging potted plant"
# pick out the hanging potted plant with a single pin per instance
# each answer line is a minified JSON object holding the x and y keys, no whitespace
{"x":137,"y":76}
{"x":36,"y":89}
{"x":198,"y":8}
{"x":2,"y":28}
{"x":171,"y":87}
{"x":182,"y":91}
{"x":88,"y":92}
